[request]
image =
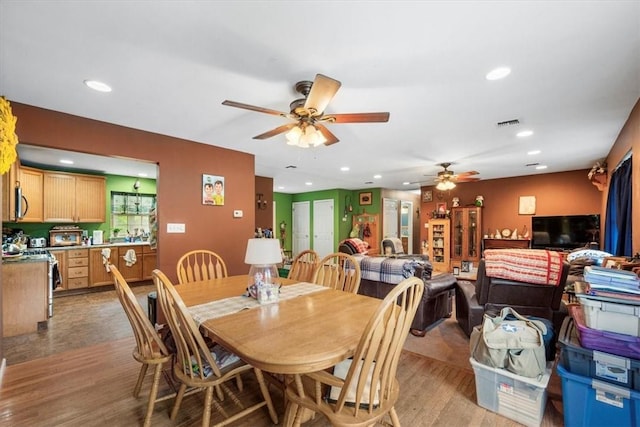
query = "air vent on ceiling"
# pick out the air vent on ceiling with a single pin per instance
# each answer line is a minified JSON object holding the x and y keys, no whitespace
{"x":291,"y":167}
{"x":532,"y":164}
{"x":509,"y":123}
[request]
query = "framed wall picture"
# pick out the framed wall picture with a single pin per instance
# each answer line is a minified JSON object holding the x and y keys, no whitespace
{"x":365,"y":199}
{"x":212,"y":190}
{"x":527,"y":205}
{"x":456,"y":271}
{"x":427,"y":196}
{"x":465,"y":267}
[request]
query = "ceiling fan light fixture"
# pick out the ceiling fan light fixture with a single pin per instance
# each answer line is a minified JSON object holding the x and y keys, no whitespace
{"x":309,"y":137}
{"x":445,"y":185}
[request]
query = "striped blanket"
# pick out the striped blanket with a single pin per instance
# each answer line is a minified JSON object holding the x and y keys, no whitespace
{"x":387,"y":270}
{"x":536,"y":266}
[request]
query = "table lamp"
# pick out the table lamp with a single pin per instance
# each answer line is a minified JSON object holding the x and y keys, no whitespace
{"x":263,"y":255}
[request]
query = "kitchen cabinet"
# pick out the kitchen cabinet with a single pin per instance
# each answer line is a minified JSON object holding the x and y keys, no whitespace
{"x":466,"y":238}
{"x":77,"y":268}
{"x":61,"y":257}
{"x":149,"y":262}
{"x":8,"y":193}
{"x":98,"y":272}
{"x":132,"y":272}
{"x":439,"y":241}
{"x":31,"y":183}
{"x":74,"y":197}
{"x":24,"y":297}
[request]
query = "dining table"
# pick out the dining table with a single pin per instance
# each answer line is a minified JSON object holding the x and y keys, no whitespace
{"x":310,"y":328}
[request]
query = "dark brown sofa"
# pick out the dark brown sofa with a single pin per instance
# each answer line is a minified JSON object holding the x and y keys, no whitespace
{"x":437,"y":299}
{"x":489,"y":293}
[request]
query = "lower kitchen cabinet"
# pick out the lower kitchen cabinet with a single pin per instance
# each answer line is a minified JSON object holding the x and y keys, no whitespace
{"x":149,"y":262}
{"x":99,"y":274}
{"x":130,"y":266}
{"x":61,"y":258}
{"x":77,"y":268}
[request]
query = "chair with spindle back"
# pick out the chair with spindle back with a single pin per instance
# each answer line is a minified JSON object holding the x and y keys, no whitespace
{"x":199,"y":265}
{"x":364,"y":389}
{"x":303,"y":266}
{"x":149,"y":350}
{"x":338,"y":271}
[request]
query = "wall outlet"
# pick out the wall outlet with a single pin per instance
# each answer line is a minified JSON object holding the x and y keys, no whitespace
{"x":237,"y":214}
{"x":175,"y":228}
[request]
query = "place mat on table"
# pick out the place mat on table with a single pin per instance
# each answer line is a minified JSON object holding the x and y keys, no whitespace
{"x":214,"y":309}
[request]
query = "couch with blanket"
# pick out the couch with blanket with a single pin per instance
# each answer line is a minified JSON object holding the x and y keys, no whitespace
{"x":380,"y":274}
{"x":531,"y":281}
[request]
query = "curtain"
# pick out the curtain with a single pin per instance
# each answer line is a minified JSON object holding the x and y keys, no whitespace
{"x":618,"y":215}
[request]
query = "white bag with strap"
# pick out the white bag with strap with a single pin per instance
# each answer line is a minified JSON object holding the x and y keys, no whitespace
{"x":514,"y":345}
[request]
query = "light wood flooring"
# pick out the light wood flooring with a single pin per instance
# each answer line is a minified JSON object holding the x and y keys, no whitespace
{"x":80,"y":373}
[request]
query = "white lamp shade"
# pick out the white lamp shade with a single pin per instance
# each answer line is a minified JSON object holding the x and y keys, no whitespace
{"x":263,"y":252}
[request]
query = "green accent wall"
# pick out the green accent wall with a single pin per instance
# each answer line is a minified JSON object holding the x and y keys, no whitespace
{"x":114,"y":183}
{"x":341,"y":199}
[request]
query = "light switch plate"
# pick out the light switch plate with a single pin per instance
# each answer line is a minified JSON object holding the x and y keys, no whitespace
{"x":237,"y":214}
{"x":175,"y":228}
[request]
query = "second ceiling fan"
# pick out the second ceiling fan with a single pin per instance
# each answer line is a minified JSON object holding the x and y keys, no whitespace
{"x":308,"y":114}
{"x":447,"y":179}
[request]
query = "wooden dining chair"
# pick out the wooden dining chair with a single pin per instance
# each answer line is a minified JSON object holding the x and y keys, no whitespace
{"x":303,"y":266}
{"x":338,"y":271}
{"x":201,"y":264}
{"x":195,"y":365}
{"x":149,"y":350}
{"x":361,"y":390}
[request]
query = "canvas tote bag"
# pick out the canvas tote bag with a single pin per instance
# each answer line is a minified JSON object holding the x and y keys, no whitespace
{"x":515,"y":345}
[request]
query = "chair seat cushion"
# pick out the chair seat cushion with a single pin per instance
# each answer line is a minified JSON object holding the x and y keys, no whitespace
{"x":340,"y":371}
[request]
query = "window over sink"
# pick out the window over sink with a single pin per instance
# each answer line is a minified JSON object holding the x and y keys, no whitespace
{"x":130,"y":215}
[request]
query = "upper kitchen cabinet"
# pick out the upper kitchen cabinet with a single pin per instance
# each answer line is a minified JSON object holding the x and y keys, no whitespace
{"x":25,"y":205}
{"x":74,"y":197}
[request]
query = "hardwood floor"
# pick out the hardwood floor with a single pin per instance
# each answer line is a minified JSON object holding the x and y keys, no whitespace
{"x":80,"y":373}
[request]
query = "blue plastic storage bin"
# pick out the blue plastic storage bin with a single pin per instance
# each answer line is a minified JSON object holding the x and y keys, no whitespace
{"x":593,"y":403}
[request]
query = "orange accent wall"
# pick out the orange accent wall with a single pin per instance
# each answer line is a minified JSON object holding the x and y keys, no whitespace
{"x":181,"y":166}
{"x":565,"y":193}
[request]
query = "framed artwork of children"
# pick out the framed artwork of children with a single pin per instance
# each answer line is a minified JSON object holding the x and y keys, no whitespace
{"x":212,"y":190}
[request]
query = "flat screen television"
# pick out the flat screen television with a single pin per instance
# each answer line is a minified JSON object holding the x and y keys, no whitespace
{"x":565,"y":232}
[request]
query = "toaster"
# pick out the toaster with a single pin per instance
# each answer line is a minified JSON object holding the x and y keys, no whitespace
{"x":38,"y":242}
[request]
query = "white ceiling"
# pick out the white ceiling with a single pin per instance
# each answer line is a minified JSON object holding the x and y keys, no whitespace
{"x":575,"y":78}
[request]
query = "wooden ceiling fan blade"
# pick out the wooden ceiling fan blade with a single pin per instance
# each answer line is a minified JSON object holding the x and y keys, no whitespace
{"x":468,"y":173}
{"x":465,"y":179}
{"x":322,"y":92}
{"x":358,"y":117}
{"x":276,"y":131}
{"x":330,"y":137}
{"x":254,"y":108}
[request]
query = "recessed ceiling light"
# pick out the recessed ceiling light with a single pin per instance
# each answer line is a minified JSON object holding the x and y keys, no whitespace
{"x":377,"y":176}
{"x":308,"y":183}
{"x":344,"y":168}
{"x":142,"y":174}
{"x":281,"y":187}
{"x":97,"y":85}
{"x":498,"y":73}
{"x":533,"y":152}
{"x":524,"y":133}
{"x":406,"y":183}
{"x":66,"y":162}
{"x":541,"y":167}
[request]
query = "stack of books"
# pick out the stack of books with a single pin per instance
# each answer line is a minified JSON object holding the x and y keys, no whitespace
{"x":612,"y":280}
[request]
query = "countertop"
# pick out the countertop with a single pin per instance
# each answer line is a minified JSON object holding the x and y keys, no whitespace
{"x":104,"y":245}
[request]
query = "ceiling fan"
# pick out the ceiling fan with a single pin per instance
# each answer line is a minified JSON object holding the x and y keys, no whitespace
{"x":447,"y":179}
{"x":308,"y":115}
